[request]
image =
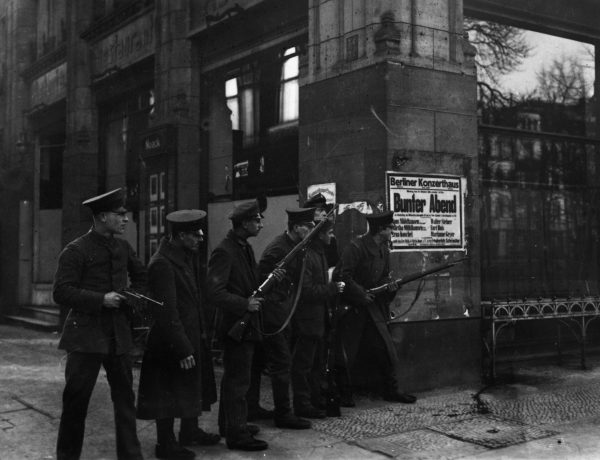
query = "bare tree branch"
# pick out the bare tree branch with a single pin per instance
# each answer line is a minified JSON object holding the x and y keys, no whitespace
{"x":500,"y":48}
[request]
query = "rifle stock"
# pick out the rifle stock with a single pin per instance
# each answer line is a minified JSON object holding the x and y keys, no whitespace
{"x":238,"y":329}
{"x":415,"y":276}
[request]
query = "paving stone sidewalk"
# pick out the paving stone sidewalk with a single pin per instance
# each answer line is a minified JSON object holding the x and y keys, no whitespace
{"x":543,"y":410}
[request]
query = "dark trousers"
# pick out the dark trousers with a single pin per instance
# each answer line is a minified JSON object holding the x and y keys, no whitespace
{"x":258,"y":366}
{"x":233,"y":407}
{"x":358,"y":333}
{"x":306,"y":370}
{"x":279,"y":362}
{"x":165,"y":433}
{"x":81,"y":373}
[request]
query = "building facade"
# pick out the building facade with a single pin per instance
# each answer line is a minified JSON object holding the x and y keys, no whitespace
{"x":380,"y":104}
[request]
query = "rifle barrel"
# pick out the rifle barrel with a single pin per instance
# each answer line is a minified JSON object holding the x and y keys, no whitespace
{"x":415,"y":276}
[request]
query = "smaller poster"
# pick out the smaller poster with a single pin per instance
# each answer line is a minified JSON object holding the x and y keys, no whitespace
{"x":328,"y":191}
{"x":428,"y":211}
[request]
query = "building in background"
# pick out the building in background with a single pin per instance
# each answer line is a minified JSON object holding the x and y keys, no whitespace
{"x":204,"y":103}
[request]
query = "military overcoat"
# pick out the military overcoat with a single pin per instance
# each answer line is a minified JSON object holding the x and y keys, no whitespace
{"x":179,"y":330}
{"x":363,"y":265}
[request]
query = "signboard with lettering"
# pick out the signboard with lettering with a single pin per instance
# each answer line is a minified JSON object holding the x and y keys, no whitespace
{"x":50,"y":87}
{"x":126,"y":46}
{"x":159,"y":140}
{"x":428,"y":211}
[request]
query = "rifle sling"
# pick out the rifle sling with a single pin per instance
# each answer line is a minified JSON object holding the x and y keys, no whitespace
{"x":294,"y":305}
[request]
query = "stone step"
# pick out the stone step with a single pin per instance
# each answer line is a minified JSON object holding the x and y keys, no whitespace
{"x":33,"y":323}
{"x":39,"y":317}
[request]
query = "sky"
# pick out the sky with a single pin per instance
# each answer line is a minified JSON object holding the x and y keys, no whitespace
{"x":545,"y":48}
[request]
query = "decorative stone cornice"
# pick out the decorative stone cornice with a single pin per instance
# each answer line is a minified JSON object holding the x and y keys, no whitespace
{"x":113,"y":20}
{"x":45,"y":63}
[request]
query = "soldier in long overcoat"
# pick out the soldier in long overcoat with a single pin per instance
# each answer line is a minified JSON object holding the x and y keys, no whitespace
{"x":177,"y":378}
{"x":364,"y":264}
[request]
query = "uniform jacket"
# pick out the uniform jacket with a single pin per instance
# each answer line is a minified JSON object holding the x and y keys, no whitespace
{"x":89,"y":267}
{"x":232,"y":278}
{"x":363,"y":265}
{"x":178,"y":331}
{"x":278,"y":302}
{"x":317,"y":293}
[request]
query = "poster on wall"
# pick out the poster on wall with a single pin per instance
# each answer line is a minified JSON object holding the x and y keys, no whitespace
{"x":328,"y":191}
{"x":428,"y":211}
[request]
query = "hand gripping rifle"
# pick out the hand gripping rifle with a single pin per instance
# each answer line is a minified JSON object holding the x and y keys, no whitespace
{"x":239,"y":328}
{"x":415,"y":276}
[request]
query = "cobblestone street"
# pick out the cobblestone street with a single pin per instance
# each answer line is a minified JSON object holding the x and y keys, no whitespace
{"x":541,"y":411}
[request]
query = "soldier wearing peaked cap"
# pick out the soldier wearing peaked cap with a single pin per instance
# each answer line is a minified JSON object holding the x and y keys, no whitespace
{"x":277,"y":307}
{"x":177,"y":377}
{"x":364,"y":264}
{"x":232,"y":280}
{"x":92,"y":269}
{"x":319,"y":202}
{"x":308,"y":327}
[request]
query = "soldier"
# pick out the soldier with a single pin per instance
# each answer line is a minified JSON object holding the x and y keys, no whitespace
{"x":308,"y":327}
{"x":177,"y":377}
{"x":319,"y":202}
{"x":232,"y":280}
{"x":276,"y":310}
{"x":364,"y":264}
{"x":92,"y":269}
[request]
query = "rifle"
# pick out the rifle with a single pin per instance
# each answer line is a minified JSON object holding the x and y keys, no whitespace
{"x":332,"y":394}
{"x":136,"y":296}
{"x":238,"y":329}
{"x":415,"y":276}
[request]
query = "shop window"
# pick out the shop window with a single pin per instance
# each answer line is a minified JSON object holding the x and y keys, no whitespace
{"x":261,"y":96}
{"x":539,"y":157}
{"x":289,"y":94}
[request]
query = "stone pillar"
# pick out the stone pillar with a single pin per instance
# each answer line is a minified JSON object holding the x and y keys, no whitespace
{"x":16,"y":152}
{"x":391,"y":86}
{"x":177,"y":99}
{"x":80,"y":161}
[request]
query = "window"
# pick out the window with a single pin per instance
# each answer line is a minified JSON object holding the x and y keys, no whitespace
{"x":259,"y":97}
{"x":539,"y":158}
{"x":240,"y":96}
{"x":231,"y":94}
{"x":288,"y":96}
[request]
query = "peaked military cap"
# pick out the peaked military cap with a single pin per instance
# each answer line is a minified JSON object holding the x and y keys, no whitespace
{"x":316,"y":201}
{"x":186,"y":220}
{"x":300,"y":215}
{"x":381,"y":220}
{"x":113,"y":201}
{"x":245,"y":211}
